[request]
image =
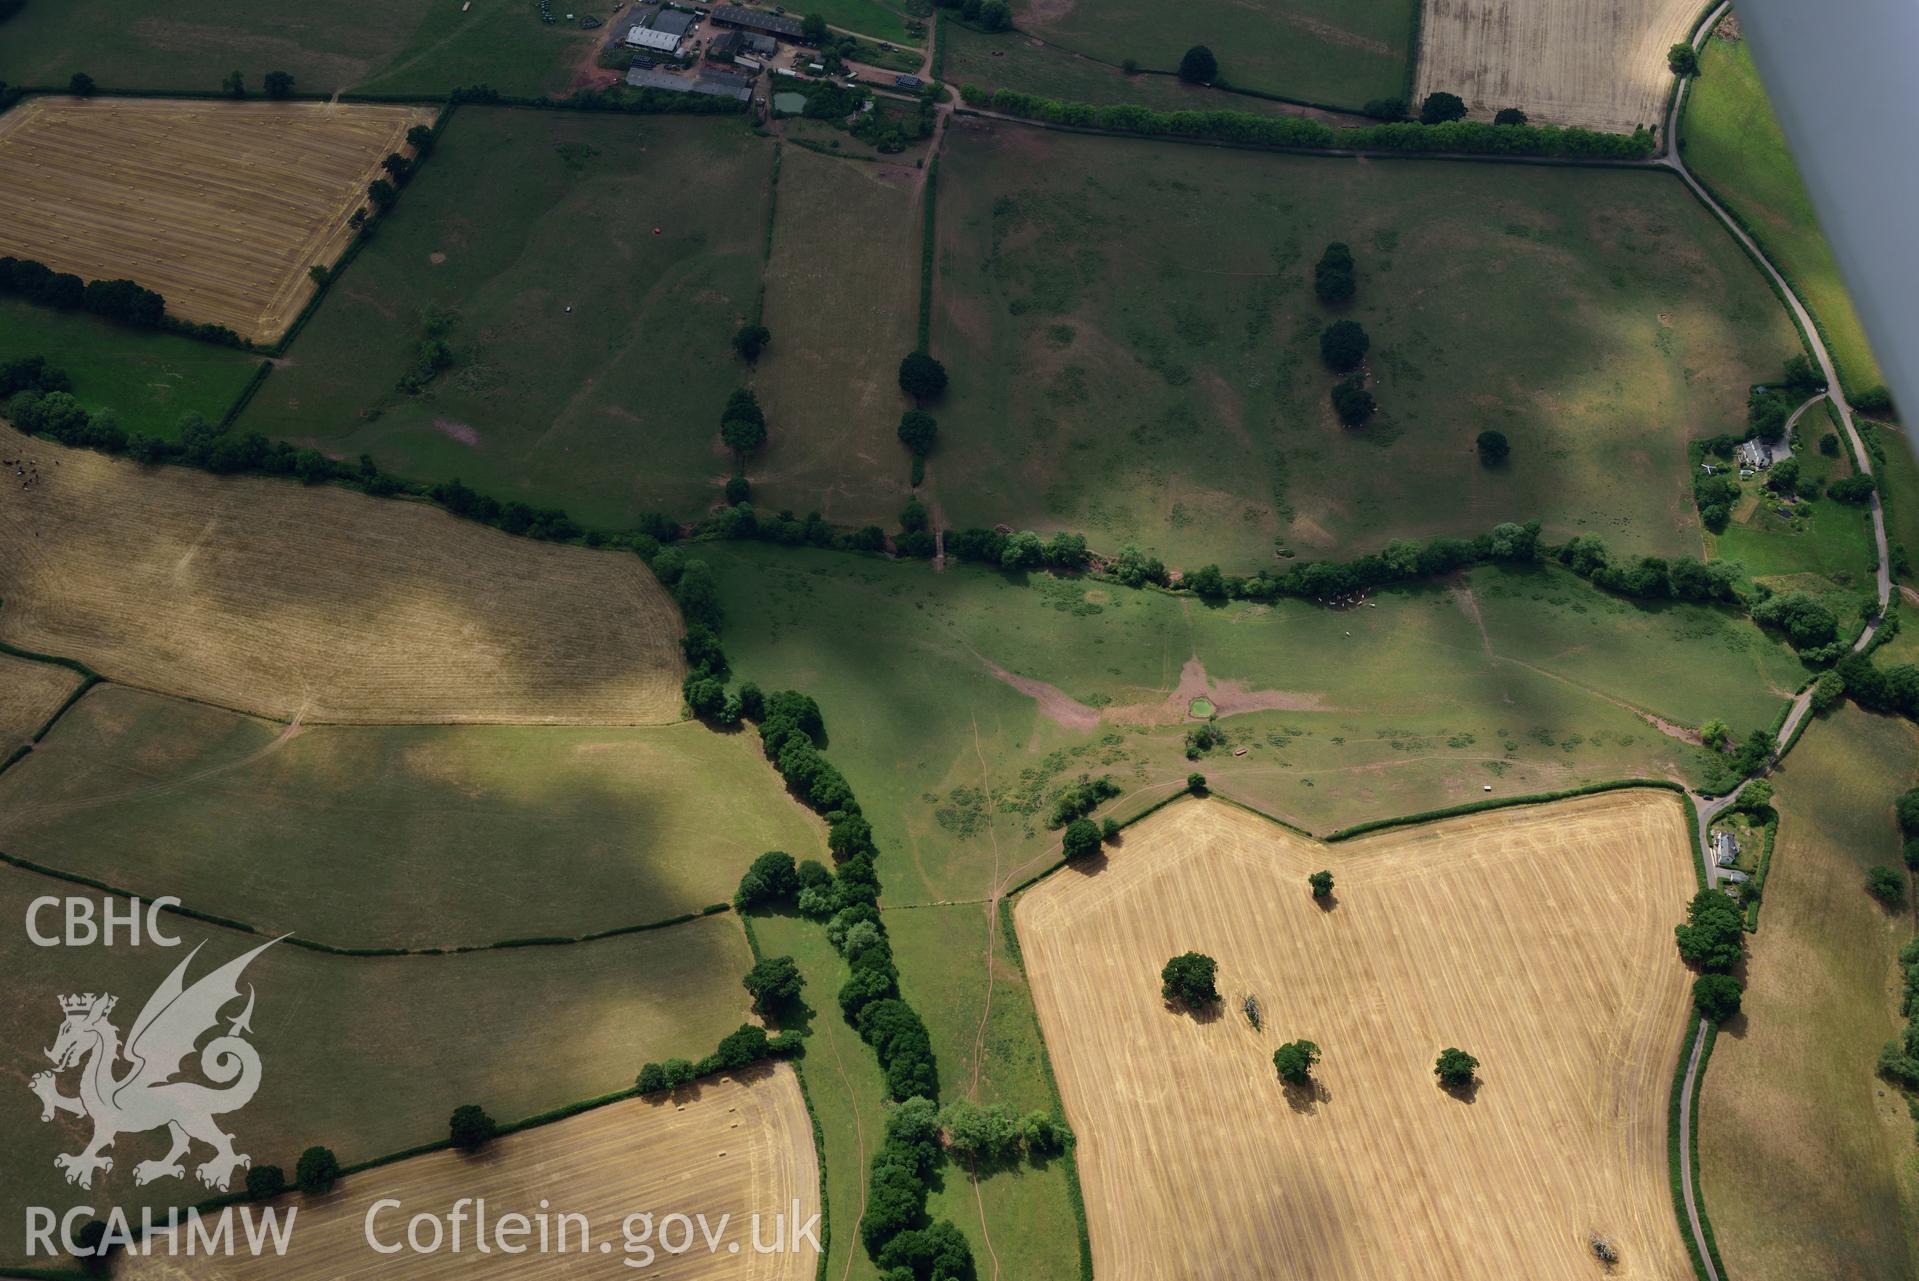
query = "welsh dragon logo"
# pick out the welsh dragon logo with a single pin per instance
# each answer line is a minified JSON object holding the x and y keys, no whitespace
{"x":145,"y":1096}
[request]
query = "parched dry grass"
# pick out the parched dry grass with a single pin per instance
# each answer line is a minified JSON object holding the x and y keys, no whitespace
{"x":735,"y":1147}
{"x":1598,"y":63}
{"x":29,"y":693}
{"x":1539,"y":939}
{"x":219,"y":206}
{"x":324,"y":604}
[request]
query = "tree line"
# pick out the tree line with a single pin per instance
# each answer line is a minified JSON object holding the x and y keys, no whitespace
{"x":1453,"y":136}
{"x":121,"y":301}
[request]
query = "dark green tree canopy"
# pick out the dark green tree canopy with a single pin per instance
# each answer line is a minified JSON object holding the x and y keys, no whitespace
{"x":471,"y":1128}
{"x":922,"y":377}
{"x":1321,"y":883}
{"x":1493,"y":447}
{"x":918,"y":431}
{"x":750,"y":341}
{"x":1683,"y":60}
{"x":773,"y":982}
{"x":1716,"y":996}
{"x":1343,"y":345}
{"x":1510,"y":116}
{"x":1352,"y":402}
{"x":1441,"y":107}
{"x":1294,"y":1061}
{"x":1188,"y":979}
{"x":1198,"y":66}
{"x":742,"y":423}
{"x":1455,"y":1068}
{"x":316,"y":1171}
{"x":1714,"y":935}
{"x":1082,"y":837}
{"x":1333,"y":278}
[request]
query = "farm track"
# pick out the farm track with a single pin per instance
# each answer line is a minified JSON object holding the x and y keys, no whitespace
{"x":220,"y":207}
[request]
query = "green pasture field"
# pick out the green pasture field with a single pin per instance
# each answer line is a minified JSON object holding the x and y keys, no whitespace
{"x":1897,"y":471}
{"x":1011,"y":60}
{"x":1525,"y":680}
{"x":147,"y":379}
{"x":369,"y":1056}
{"x":424,"y":47}
{"x":449,"y":835}
{"x":842,"y":309}
{"x":1731,"y":140}
{"x":1834,"y":542}
{"x":1324,"y":51}
{"x":608,"y":411}
{"x":1790,"y":1099}
{"x":873,"y":18}
{"x":898,"y":58}
{"x":1132,"y":340}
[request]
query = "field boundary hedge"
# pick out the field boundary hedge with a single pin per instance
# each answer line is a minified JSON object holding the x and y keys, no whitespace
{"x":1508,"y":802}
{"x":1765,"y":865}
{"x":329,"y":949}
{"x":928,"y":252}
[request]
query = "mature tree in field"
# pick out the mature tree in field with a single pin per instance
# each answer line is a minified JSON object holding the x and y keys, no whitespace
{"x":1510,"y":116}
{"x":750,"y":341}
{"x":1441,"y":107}
{"x":1023,"y":550}
{"x":1081,"y":838}
{"x":1333,"y":274}
{"x":1493,"y":447}
{"x":996,"y":15}
{"x":316,"y":1171}
{"x":382,"y":193}
{"x":1852,"y":489}
{"x":1829,"y":444}
{"x":918,"y":431}
{"x":421,"y":139}
{"x":80,"y":85}
{"x":1196,"y":783}
{"x":1715,"y":734}
{"x":1714,"y":935}
{"x":1322,"y":883}
{"x":1343,"y":344}
{"x":913,"y":516}
{"x":922,"y":377}
{"x":1134,"y":567}
{"x":1805,"y":619}
{"x":265,"y":1181}
{"x":1109,"y":830}
{"x":651,"y":1080}
{"x":1828,"y":692}
{"x":1352,"y":402}
{"x":812,"y":29}
{"x":279,"y":84}
{"x":1188,"y":979}
{"x":742,"y":424}
{"x":398,"y":166}
{"x":1716,"y":996}
{"x":772,"y":878}
{"x":1683,"y":60}
{"x":1455,"y":1068}
{"x":1886,"y":885}
{"x":1198,"y":66}
{"x":471,"y":1128}
{"x":1206,"y":581}
{"x":773,"y":982}
{"x":1294,"y":1061}
{"x":234,"y":86}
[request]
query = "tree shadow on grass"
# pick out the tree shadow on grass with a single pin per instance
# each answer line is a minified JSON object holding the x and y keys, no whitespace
{"x":1326,"y":902}
{"x":1207,"y":1012}
{"x":1467,"y":1093}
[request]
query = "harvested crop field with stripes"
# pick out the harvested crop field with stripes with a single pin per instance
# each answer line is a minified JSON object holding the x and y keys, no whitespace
{"x":1597,"y":63}
{"x":735,"y":1146}
{"x":1538,"y":939}
{"x":220,"y":207}
{"x":319,"y":604}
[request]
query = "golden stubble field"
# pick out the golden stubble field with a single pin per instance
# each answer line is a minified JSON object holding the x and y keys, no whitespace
{"x":1598,"y":63}
{"x":322,"y":604}
{"x":221,"y":207}
{"x":726,"y":1147}
{"x":1538,"y":939}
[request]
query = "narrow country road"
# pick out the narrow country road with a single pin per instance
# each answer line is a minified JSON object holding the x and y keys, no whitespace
{"x":1801,"y":706}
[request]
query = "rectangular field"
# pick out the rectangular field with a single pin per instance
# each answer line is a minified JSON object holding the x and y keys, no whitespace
{"x":149,"y":380}
{"x":450,"y":835}
{"x":322,"y":604}
{"x":1134,"y":362}
{"x":1598,"y":63}
{"x":1341,"y":53}
{"x":221,"y":207}
{"x":590,"y":305}
{"x":843,"y":310}
{"x":366,"y":1055}
{"x":1805,"y":1157}
{"x":736,"y":1146}
{"x":1539,"y":940}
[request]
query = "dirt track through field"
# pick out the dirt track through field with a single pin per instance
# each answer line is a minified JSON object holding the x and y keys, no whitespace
{"x":1598,"y":63}
{"x":725,"y":1147}
{"x":221,"y":207}
{"x":1539,"y":939}
{"x":281,"y":600}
